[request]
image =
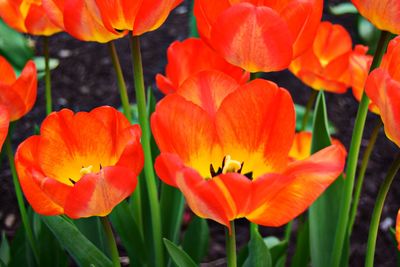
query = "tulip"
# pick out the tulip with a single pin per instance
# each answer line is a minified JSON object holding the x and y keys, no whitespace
{"x":398,"y":229}
{"x":27,"y":17}
{"x":384,"y":14}
{"x":226,"y":146}
{"x":181,"y":59}
{"x":325,"y":65}
{"x":17,"y":95}
{"x":103,"y":21}
{"x":301,"y":148}
{"x":81,"y":164}
{"x":258,"y":35}
{"x":383,"y":88}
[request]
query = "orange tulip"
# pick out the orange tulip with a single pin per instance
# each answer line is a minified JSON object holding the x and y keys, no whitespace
{"x":190,"y":57}
{"x":301,"y":148}
{"x":27,"y":16}
{"x":325,"y":65}
{"x":383,"y":88}
{"x":103,"y":21}
{"x":17,"y":95}
{"x":384,"y":14}
{"x":258,"y":35}
{"x":398,"y":229}
{"x":81,"y":164}
{"x":226,"y":146}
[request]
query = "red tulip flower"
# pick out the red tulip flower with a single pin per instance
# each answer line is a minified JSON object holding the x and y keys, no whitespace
{"x":384,"y":14}
{"x":325,"y":65}
{"x":17,"y":95}
{"x":81,"y":164}
{"x":383,"y":88}
{"x":258,"y":35}
{"x":301,"y":148}
{"x":226,"y":146}
{"x":190,"y":57}
{"x":103,"y":21}
{"x":27,"y":16}
{"x":398,"y":230}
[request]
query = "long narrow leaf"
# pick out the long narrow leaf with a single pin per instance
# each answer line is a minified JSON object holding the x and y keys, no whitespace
{"x":180,"y":257}
{"x":259,"y":254}
{"x":196,"y":238}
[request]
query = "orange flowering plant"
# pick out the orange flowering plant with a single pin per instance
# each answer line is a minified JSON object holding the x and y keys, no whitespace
{"x":217,"y":144}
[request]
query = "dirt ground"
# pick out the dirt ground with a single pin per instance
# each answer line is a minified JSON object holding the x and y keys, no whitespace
{"x":85,"y":79}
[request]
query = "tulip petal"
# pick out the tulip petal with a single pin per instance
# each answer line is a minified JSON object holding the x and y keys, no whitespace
{"x":119,"y":13}
{"x":10,"y":13}
{"x":207,"y":89}
{"x":4,"y":122}
{"x":254,"y":38}
{"x":38,"y":23}
{"x":255,"y":125}
{"x":96,"y":194}
{"x":309,"y":178}
{"x":196,"y":145}
{"x":7,"y":72}
{"x":385,"y":93}
{"x":398,"y":229}
{"x":30,"y":175}
{"x":167,"y":167}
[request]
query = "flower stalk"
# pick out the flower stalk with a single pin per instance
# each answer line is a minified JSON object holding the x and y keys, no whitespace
{"x":112,"y":244}
{"x":231,"y":245}
{"x":47,"y":77}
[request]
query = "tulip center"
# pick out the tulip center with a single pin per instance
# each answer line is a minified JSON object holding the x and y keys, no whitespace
{"x":229,"y":165}
{"x":83,"y":171}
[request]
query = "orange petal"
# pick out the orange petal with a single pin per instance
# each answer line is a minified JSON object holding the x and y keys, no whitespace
{"x":308,"y":180}
{"x":182,"y":128}
{"x":181,"y":56}
{"x":254,"y":38}
{"x":152,"y":15}
{"x":54,"y":10}
{"x":385,"y":93}
{"x":168,"y":166}
{"x":207,"y":89}
{"x":96,"y":194}
{"x":256,"y":124}
{"x":398,"y":229}
{"x":384,"y":14}
{"x":83,"y":21}
{"x":4,"y":122}
{"x":21,"y":95}
{"x":7,"y":72}
{"x":30,"y":175}
{"x":38,"y":23}
{"x":10,"y":13}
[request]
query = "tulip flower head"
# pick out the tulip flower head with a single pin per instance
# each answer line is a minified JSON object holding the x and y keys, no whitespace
{"x":103,"y":21}
{"x":27,"y":16}
{"x":17,"y":95}
{"x":81,"y":164}
{"x":226,"y":146}
{"x":325,"y":65}
{"x":384,"y":14}
{"x":398,"y":229}
{"x":258,"y":35}
{"x":181,"y":56}
{"x":383,"y":88}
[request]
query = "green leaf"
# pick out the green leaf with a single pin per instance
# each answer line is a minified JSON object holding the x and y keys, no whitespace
{"x":342,"y":9}
{"x":92,"y":229}
{"x":40,"y":65}
{"x":21,"y":254}
{"x":180,"y":257}
{"x":259,"y":254}
{"x":300,"y":111}
{"x":301,"y":257}
{"x":78,"y":246}
{"x":324,"y":213}
{"x":125,"y":225}
{"x":277,"y":248}
{"x":368,"y":33}
{"x":4,"y":249}
{"x":195,"y":241}
{"x":14,"y":46}
{"x":242,"y":255}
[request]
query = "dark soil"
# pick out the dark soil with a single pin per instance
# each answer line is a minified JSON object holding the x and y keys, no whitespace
{"x":85,"y":79}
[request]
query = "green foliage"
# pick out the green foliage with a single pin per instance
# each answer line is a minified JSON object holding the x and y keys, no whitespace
{"x":4,"y":250}
{"x":180,"y":257}
{"x":300,"y":111}
{"x":195,"y":241}
{"x":258,"y":252}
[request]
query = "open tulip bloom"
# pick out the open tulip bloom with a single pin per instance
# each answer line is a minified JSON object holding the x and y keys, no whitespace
{"x":226,"y":146}
{"x":81,"y":164}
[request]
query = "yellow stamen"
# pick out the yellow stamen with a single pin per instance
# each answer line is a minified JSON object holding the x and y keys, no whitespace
{"x":231,"y":165}
{"x":86,"y":170}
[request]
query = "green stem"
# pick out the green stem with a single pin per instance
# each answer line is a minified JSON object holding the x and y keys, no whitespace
{"x":47,"y":77}
{"x":123,"y":92}
{"x":20,"y":200}
{"x":148,"y":166}
{"x":310,"y":103}
{"x":361,"y":174}
{"x":253,"y":229}
{"x":112,"y":245}
{"x":376,"y":215}
{"x":231,"y":245}
{"x":344,"y":210}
